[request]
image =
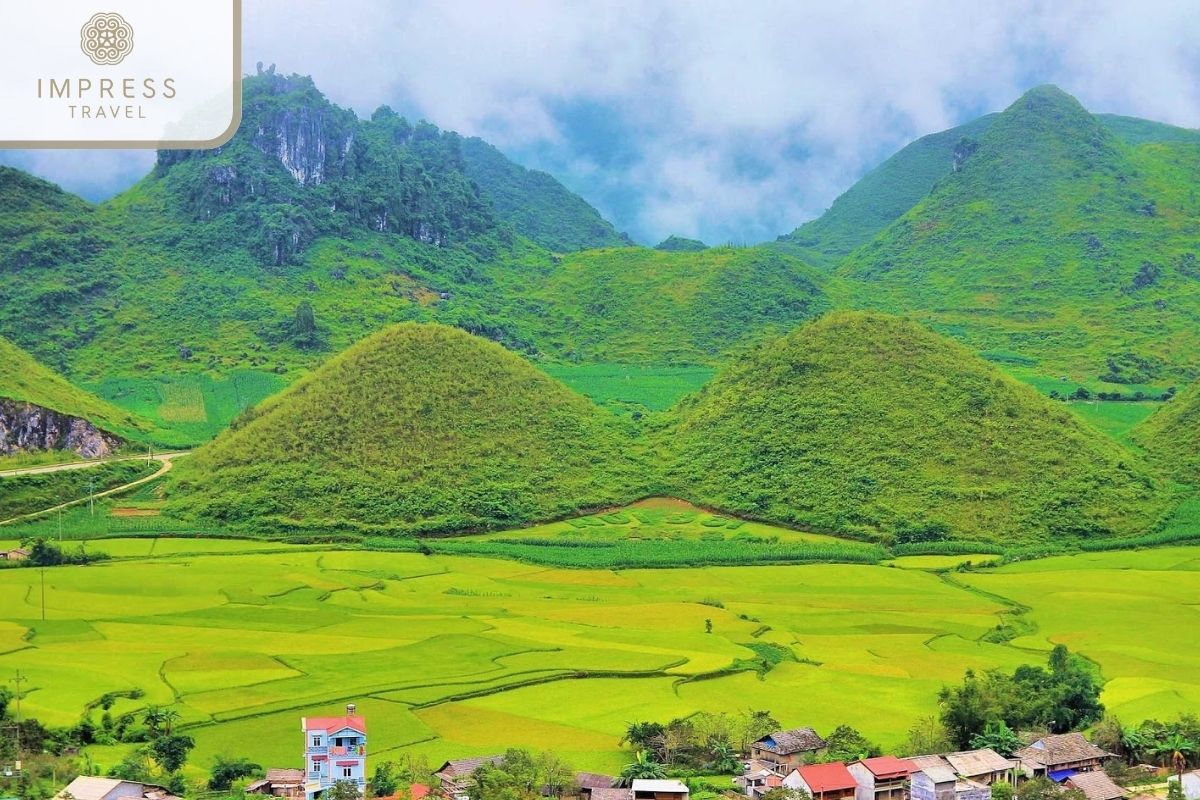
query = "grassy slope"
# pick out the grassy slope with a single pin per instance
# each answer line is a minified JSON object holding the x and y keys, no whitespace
{"x":22,"y":378}
{"x":889,"y":190}
{"x":881,"y":196}
{"x":536,"y":204}
{"x":640,"y":305}
{"x":1057,"y":242}
{"x":1171,"y":435}
{"x":416,"y":428}
{"x":871,"y":424}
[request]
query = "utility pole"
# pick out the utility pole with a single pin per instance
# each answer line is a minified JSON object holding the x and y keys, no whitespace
{"x":43,"y":570}
{"x":18,"y":681}
{"x":92,"y":495}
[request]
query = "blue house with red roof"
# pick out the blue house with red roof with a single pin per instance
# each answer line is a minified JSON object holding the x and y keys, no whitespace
{"x":335,"y":750}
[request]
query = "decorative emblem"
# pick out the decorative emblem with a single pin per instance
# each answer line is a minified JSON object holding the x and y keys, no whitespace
{"x":106,"y":38}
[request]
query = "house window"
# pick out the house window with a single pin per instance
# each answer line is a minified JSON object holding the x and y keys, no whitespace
{"x":347,"y":772}
{"x":316,"y":741}
{"x":316,"y":766}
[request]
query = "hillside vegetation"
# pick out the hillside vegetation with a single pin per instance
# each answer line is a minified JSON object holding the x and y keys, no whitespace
{"x":1171,"y":435}
{"x":419,"y":428}
{"x":1055,"y":244}
{"x":535,"y":204}
{"x":871,"y":425}
{"x":25,"y":380}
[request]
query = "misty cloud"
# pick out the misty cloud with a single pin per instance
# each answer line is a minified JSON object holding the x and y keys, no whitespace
{"x":723,"y":121}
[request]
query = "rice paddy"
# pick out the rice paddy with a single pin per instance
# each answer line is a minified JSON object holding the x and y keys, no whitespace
{"x":452,"y":656}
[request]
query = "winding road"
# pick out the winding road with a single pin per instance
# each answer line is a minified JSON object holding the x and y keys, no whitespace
{"x":165,"y":461}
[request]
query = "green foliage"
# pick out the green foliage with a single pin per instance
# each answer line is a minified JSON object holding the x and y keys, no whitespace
{"x":847,"y":744}
{"x":171,"y":750}
{"x":342,"y":790}
{"x":227,"y":770}
{"x":535,"y":204}
{"x":1054,"y":240}
{"x":25,"y":380}
{"x":996,"y":735}
{"x":1042,"y":788}
{"x":678,"y":244}
{"x":26,"y":494}
{"x":870,"y":425}
{"x":521,"y":775}
{"x":47,"y":554}
{"x":420,"y":429}
{"x":1172,"y":435}
{"x":1002,"y":790}
{"x":1064,"y":698}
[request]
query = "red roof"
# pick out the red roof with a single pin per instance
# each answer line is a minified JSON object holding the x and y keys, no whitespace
{"x":827,"y":777}
{"x":332,"y":724}
{"x":346,"y":763}
{"x":888,"y":767}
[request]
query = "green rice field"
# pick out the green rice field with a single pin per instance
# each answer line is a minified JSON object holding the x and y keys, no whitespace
{"x":452,"y":655}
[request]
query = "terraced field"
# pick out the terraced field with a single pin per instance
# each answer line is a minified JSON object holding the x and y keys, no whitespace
{"x":452,"y":655}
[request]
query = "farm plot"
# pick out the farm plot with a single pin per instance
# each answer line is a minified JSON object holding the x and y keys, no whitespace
{"x":453,"y":656}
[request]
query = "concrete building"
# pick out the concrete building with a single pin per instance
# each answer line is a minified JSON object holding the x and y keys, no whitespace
{"x":882,"y":778}
{"x":335,"y":751}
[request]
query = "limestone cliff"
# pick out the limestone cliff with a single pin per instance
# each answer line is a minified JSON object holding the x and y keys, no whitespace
{"x":25,"y":427}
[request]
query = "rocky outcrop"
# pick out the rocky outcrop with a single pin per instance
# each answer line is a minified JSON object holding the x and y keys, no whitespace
{"x":26,"y":428}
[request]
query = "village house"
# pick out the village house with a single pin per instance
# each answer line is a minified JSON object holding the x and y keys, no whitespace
{"x":590,"y":781}
{"x":1095,"y":786}
{"x":787,"y":750}
{"x":823,"y":781}
{"x":612,"y":793}
{"x":758,"y":777}
{"x":984,"y":766}
{"x":86,"y":787}
{"x":335,"y":751}
{"x":16,"y":554}
{"x":455,"y":776}
{"x":646,"y":789}
{"x":882,"y":778}
{"x":1060,"y":756}
{"x":934,"y":781}
{"x":280,"y":783}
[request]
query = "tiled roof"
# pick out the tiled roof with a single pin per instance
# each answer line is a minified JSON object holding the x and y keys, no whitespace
{"x":1065,"y":748}
{"x":594,"y":780}
{"x":797,"y":740}
{"x":1096,"y":786}
{"x":611,"y":794}
{"x":939,"y":773}
{"x":465,"y":766}
{"x":827,"y":777}
{"x":335,"y":723}
{"x":978,"y":762}
{"x":658,"y":785}
{"x":285,"y":775}
{"x":921,"y":762}
{"x":888,"y":767}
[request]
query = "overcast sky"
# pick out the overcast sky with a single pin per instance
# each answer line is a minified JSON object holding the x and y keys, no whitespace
{"x":731,"y":121}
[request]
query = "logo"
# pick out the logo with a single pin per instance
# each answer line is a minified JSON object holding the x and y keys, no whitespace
{"x":106,"y":39}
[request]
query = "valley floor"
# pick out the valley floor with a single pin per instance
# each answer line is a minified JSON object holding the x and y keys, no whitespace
{"x":452,"y":656}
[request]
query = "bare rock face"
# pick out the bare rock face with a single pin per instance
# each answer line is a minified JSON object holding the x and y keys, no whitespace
{"x":26,"y":428}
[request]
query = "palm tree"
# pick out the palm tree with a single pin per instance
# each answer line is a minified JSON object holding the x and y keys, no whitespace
{"x":1174,"y":751}
{"x":642,"y":768}
{"x":725,"y":759}
{"x":169,"y":717}
{"x":153,"y":717}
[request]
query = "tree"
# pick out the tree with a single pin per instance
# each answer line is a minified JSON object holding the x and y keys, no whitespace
{"x":928,"y":735}
{"x":1002,"y":790}
{"x":342,"y":790}
{"x":1174,"y":751}
{"x":1175,"y":789}
{"x":154,"y":718}
{"x":965,"y":710}
{"x":784,"y":793}
{"x":756,"y":725}
{"x":725,"y":760}
{"x":999,"y":737}
{"x":304,"y":326}
{"x":641,"y":734}
{"x":227,"y":770}
{"x":642,"y":767}
{"x":384,"y":782}
{"x":558,"y":779}
{"x":847,"y":744}
{"x":1041,"y":788}
{"x":708,"y":626}
{"x":171,"y":750}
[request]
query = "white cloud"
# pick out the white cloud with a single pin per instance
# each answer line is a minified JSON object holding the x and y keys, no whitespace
{"x":819,"y":92}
